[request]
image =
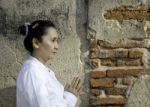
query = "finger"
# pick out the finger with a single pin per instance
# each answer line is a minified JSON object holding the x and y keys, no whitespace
{"x":73,"y":81}
{"x":79,"y":85}
{"x":79,"y":89}
{"x":67,"y":86}
{"x":76,"y":82}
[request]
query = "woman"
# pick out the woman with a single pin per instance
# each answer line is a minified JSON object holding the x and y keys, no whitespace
{"x":37,"y":85}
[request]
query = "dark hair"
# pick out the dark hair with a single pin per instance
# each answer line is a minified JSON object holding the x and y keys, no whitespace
{"x":36,"y":29}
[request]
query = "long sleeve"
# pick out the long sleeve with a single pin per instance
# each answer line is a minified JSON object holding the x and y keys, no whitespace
{"x":39,"y":94}
{"x":70,"y":99}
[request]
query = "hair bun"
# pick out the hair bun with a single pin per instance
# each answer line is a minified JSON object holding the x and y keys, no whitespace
{"x":24,"y":29}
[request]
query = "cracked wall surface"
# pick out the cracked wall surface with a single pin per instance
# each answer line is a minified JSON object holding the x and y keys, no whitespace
{"x":68,"y":16}
{"x":118,"y":31}
{"x":105,"y":42}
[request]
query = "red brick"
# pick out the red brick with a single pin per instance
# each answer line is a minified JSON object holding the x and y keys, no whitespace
{"x":102,"y":83}
{"x":93,"y":43}
{"x":134,"y":44}
{"x":127,"y":81}
{"x":94,"y":53}
{"x":109,"y":100}
{"x":116,"y":91}
{"x":122,"y":44}
{"x":129,"y":62}
{"x":121,"y":62}
{"x":146,"y":71}
{"x":121,"y":53}
{"x":135,"y":54}
{"x":148,"y":32}
{"x":94,"y":63}
{"x":98,"y":74}
{"x":108,"y":62}
{"x":128,"y":12}
{"x":107,"y":44}
{"x":113,"y":54}
{"x":124,"y":72}
{"x":95,"y":92}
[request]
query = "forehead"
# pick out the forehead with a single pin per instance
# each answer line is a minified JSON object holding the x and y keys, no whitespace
{"x":52,"y":32}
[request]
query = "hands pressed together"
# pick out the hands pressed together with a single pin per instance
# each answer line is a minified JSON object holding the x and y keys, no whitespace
{"x":75,"y":86}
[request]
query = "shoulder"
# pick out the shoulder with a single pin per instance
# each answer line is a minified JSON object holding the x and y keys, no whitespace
{"x":29,"y":65}
{"x":31,"y":71}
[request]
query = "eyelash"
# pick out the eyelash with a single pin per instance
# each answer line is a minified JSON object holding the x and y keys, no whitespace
{"x":55,"y":40}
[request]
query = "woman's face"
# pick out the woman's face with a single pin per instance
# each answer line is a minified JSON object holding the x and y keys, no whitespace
{"x":49,"y":45}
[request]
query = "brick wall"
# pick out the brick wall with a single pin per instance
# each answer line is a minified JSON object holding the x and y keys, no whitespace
{"x":128,"y":12}
{"x":115,"y":66}
{"x":114,"y":69}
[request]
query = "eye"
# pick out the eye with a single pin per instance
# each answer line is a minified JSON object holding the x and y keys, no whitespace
{"x":55,"y":40}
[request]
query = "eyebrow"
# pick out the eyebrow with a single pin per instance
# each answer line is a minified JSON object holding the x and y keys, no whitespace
{"x":54,"y":37}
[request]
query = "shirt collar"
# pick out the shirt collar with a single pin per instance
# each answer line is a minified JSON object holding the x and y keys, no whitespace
{"x":39,"y":63}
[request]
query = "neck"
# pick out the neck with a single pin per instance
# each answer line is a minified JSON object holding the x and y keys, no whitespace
{"x":38,"y":57}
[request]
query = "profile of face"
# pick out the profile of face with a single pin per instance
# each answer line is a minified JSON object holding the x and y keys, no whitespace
{"x":49,"y":45}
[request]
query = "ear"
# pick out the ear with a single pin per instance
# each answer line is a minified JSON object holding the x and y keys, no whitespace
{"x":35,"y":43}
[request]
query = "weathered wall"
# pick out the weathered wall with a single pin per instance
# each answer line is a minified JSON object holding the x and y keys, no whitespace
{"x":106,"y":42}
{"x":69,"y":17}
{"x":118,"y":31}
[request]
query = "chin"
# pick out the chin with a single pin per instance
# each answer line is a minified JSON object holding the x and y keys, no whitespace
{"x":50,"y":57}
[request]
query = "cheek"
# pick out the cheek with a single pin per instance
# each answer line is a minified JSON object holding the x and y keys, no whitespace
{"x":47,"y":46}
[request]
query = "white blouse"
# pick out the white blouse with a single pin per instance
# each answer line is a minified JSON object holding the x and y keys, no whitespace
{"x":37,"y":86}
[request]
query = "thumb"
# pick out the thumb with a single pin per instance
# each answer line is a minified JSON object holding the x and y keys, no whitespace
{"x":67,"y":86}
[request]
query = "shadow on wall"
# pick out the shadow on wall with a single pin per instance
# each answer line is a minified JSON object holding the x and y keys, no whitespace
{"x":8,"y":97}
{"x":81,"y":30}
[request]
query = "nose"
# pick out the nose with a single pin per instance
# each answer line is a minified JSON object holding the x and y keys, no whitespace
{"x":56,"y":46}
